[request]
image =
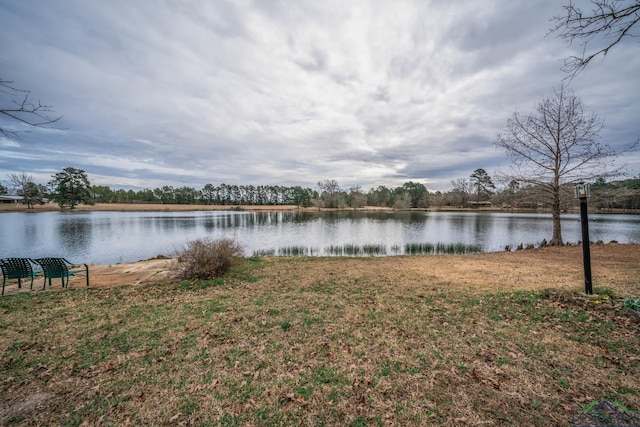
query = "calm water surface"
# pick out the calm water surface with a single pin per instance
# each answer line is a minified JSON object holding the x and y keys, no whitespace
{"x":111,"y":237}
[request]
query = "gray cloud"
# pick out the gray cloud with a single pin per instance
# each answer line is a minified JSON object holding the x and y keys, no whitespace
{"x":188,"y":93}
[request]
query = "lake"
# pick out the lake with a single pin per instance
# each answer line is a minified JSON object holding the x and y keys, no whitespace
{"x":112,"y":237}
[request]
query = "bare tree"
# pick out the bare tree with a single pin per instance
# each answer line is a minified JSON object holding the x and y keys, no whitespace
{"x":24,"y":186}
{"x":557,"y":143}
{"x":461,"y":190}
{"x":356,"y":198}
{"x":16,"y":105}
{"x":609,"y":20}
{"x":330,"y":193}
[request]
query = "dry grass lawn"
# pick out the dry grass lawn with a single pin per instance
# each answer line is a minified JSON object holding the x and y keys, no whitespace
{"x":491,"y":339}
{"x":614,"y":265}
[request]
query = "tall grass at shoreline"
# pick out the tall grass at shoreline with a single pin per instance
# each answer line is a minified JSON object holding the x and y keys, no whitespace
{"x":354,"y":250}
{"x":441,"y":249}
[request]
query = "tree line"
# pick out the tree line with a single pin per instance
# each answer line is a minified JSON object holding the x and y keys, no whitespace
{"x":72,"y":186}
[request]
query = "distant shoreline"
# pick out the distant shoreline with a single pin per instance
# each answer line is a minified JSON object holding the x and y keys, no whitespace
{"x":145,"y":207}
{"x":159,"y":207}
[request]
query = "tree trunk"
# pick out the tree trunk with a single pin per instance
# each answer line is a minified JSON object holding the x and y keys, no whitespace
{"x":556,"y":240}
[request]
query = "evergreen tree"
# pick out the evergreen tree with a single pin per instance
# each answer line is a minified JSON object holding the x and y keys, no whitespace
{"x":70,"y":187}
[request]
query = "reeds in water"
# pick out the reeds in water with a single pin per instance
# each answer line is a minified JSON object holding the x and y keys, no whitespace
{"x":287,"y":251}
{"x":419,"y":248}
{"x":441,"y":248}
{"x":374,"y":250}
{"x":264,"y":252}
{"x":354,"y":250}
{"x":294,"y":251}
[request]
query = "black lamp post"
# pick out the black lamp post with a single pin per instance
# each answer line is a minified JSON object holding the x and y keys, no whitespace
{"x":582,"y":191}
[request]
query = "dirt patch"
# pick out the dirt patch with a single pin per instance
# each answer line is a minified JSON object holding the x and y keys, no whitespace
{"x":137,"y":273}
{"x":25,"y":407}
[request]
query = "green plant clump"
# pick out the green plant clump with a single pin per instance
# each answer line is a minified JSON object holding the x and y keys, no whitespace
{"x":632,"y":303}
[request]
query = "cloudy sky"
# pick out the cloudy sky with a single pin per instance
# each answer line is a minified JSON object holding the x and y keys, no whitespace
{"x":186,"y":92}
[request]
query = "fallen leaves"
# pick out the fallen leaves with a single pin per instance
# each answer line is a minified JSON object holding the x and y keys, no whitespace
{"x":292,"y":397}
{"x":195,"y":388}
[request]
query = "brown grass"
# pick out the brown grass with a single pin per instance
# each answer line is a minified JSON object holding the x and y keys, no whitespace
{"x":492,"y":339}
{"x":614,"y":265}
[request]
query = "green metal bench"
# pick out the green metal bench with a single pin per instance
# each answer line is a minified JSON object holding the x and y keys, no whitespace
{"x":60,"y":268}
{"x":17,"y":268}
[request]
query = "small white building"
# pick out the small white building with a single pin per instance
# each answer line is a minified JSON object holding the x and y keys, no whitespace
{"x":4,"y":198}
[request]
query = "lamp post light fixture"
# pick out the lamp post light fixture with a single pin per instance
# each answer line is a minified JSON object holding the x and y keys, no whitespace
{"x":582,"y":192}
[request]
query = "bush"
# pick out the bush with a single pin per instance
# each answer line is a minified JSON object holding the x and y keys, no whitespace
{"x":632,"y":304}
{"x":207,"y":258}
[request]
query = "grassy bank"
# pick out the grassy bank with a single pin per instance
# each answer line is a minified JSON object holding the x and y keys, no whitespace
{"x":279,"y":343}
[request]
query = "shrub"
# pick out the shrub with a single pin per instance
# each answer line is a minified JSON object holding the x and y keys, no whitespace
{"x":632,"y":304}
{"x":207,"y":258}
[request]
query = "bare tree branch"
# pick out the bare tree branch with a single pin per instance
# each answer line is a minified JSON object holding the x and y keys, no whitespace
{"x":609,"y":20}
{"x":21,"y":109}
